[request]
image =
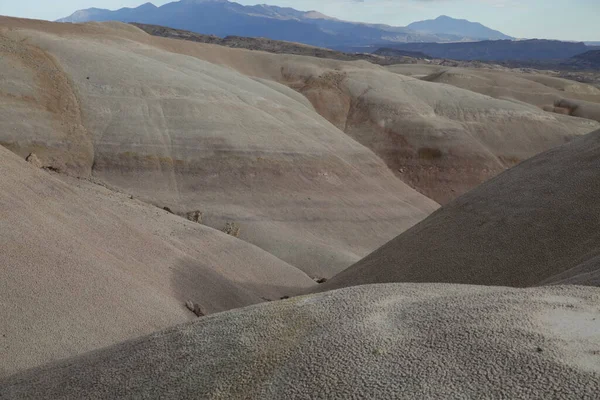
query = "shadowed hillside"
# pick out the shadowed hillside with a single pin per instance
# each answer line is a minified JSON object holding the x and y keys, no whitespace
{"x":534,"y":223}
{"x":83,"y":267}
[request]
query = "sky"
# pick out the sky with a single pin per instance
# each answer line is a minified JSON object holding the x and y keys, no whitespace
{"x":550,"y":19}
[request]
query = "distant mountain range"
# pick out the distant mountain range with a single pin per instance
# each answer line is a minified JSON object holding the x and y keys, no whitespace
{"x":587,"y":61}
{"x":223,"y":18}
{"x":458,"y":27}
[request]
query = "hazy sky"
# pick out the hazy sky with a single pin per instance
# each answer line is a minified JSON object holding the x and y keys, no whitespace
{"x":554,"y":19}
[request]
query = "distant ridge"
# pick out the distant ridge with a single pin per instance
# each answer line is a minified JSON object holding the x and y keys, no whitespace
{"x":224,"y":18}
{"x":458,"y":27}
{"x":498,"y":50}
{"x":589,"y":59}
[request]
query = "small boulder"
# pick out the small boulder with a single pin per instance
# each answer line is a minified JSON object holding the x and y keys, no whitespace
{"x":195,"y":308}
{"x":194,"y":216}
{"x":232,"y":229}
{"x":33,"y":160}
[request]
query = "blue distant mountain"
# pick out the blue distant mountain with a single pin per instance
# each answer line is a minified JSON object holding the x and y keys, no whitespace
{"x":458,"y":27}
{"x":224,"y":18}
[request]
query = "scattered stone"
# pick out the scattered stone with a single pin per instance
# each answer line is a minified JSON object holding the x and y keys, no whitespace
{"x":167,"y":209}
{"x":539,"y":350}
{"x":320,"y":280}
{"x":195,"y":308}
{"x":232,"y":229}
{"x":33,"y":160}
{"x":195,"y":216}
{"x":285,"y":297}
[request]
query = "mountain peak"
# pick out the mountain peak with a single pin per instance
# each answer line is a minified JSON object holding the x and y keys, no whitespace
{"x":145,"y":7}
{"x":202,"y":1}
{"x":446,"y":18}
{"x":459,"y":27}
{"x":227,"y":18}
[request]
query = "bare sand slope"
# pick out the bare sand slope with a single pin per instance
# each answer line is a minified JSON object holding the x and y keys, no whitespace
{"x":533,"y":88}
{"x":533,"y":224}
{"x":83,"y":267}
{"x":400,"y":341}
{"x":183,"y":132}
{"x":441,"y":140}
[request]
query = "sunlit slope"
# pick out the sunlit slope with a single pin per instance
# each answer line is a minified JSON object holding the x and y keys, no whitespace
{"x":82,"y":267}
{"x":185,"y":133}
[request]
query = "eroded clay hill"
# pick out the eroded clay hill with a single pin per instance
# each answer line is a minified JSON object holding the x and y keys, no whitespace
{"x":83,"y":267}
{"x":441,"y":140}
{"x":536,"y":223}
{"x":532,"y":87}
{"x":401,"y":341}
{"x":147,"y":115}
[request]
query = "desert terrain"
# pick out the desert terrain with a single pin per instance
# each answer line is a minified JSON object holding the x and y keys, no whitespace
{"x":376,"y":341}
{"x":531,"y":225}
{"x":183,"y":219}
{"x":178,"y":131}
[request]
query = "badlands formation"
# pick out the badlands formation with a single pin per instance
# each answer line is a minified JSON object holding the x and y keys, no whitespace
{"x":318,"y":162}
{"x":536,"y":223}
{"x":395,"y":341}
{"x":84,"y":267}
{"x":181,"y":132}
{"x":529,"y":87}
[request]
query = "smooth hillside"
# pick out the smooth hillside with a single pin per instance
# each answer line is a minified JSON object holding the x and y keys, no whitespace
{"x":150,"y":116}
{"x":535,"y":223}
{"x":83,"y":267}
{"x":400,"y":341}
{"x":441,"y":140}
{"x":535,"y":88}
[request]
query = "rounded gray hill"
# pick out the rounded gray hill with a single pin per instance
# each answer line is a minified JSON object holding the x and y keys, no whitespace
{"x":536,"y":221}
{"x":400,"y":341}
